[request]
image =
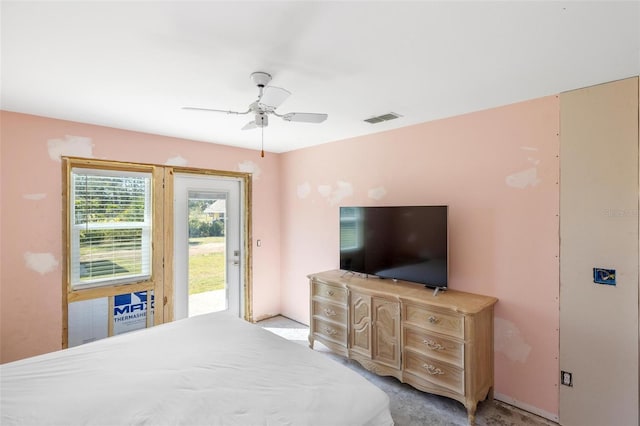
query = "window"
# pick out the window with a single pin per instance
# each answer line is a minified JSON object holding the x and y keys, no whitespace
{"x":110,"y":227}
{"x":350,"y":228}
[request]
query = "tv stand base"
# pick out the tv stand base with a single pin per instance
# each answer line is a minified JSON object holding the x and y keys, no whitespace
{"x":436,"y":290}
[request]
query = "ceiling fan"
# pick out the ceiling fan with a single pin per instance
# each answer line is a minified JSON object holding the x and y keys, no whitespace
{"x":269,"y":98}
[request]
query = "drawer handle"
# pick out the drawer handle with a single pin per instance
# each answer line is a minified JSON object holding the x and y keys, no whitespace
{"x":433,"y":320}
{"x":330,"y":331}
{"x":329,"y":312}
{"x":432,"y":370}
{"x":433,"y":345}
{"x":330,"y":292}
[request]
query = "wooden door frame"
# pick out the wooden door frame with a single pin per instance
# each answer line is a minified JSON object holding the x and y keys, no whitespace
{"x":245,"y":195}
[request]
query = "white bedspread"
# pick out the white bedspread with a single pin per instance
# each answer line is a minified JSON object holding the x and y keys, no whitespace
{"x":211,"y":369}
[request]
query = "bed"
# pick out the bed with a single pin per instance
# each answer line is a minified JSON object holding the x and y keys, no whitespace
{"x":211,"y":369}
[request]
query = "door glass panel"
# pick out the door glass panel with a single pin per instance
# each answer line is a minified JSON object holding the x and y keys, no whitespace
{"x":207,"y":252}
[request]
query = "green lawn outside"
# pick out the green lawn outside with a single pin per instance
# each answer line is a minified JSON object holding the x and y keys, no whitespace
{"x":206,"y":270}
{"x":203,"y":240}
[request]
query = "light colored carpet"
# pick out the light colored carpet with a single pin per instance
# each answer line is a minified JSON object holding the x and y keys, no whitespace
{"x":410,"y":406}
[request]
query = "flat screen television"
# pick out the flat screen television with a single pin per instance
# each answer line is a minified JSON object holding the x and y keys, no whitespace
{"x":407,"y":243}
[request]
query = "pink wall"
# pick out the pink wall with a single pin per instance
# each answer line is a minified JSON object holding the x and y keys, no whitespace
{"x":496,"y":169}
{"x":498,"y":172}
{"x":31,"y":220}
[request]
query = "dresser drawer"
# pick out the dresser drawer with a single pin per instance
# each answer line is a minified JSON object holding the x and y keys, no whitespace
{"x":330,"y":311}
{"x":435,"y":372}
{"x":435,"y":346}
{"x":448,"y":323}
{"x":337,"y":294}
{"x":330,"y":331}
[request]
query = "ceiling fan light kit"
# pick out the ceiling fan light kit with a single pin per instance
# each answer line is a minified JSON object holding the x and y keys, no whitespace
{"x":269,"y":98}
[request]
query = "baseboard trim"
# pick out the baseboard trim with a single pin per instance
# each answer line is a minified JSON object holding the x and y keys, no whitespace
{"x":265,"y":317}
{"x":526,"y":407}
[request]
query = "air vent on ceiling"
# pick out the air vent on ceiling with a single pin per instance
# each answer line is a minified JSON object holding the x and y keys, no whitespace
{"x":383,"y":117}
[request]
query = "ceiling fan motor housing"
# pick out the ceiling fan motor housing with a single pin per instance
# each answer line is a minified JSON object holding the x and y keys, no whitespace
{"x":262,"y":120}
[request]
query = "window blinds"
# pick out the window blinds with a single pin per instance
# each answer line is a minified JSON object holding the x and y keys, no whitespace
{"x":110,"y":227}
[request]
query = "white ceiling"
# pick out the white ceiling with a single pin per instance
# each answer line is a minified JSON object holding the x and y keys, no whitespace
{"x":133,"y":65}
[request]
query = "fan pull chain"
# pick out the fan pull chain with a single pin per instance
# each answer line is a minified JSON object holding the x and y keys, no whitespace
{"x":262,"y":143}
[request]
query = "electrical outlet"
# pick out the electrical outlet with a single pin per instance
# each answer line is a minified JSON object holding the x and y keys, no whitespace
{"x":566,"y":378}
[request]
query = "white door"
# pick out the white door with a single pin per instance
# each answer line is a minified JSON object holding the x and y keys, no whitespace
{"x":207,"y":245}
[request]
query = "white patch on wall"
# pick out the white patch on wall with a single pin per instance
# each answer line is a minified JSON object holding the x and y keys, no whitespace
{"x":304,"y":190}
{"x":377,"y":193}
{"x":324,"y":190}
{"x":72,"y":146}
{"x":40,"y":262}
{"x":509,"y":341}
{"x":527,"y":177}
{"x":176,"y":161}
{"x":34,"y":197}
{"x":249,"y":166}
{"x":341,"y":191}
{"x":521,"y":180}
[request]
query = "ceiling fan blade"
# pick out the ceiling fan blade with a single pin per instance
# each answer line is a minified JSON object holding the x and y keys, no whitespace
{"x":273,"y":97}
{"x":215,"y":110}
{"x":250,"y":125}
{"x":305,"y":117}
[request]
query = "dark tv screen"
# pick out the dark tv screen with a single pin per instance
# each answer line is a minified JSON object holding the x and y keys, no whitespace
{"x":407,"y":243}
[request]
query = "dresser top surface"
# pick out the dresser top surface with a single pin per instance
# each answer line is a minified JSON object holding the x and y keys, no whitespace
{"x":459,"y":301}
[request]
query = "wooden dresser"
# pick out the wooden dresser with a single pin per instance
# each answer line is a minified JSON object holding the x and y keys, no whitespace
{"x":442,"y":344}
